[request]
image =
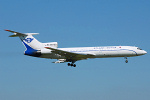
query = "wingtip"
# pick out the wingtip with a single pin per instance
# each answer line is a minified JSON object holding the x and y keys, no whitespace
{"x":6,"y":30}
{"x":47,"y":47}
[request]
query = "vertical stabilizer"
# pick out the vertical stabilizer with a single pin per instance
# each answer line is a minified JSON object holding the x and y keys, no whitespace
{"x":31,"y":44}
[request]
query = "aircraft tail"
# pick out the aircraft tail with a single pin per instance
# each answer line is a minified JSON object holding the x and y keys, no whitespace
{"x":31,"y":44}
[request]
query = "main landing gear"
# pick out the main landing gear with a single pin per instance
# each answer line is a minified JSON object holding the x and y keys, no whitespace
{"x":126,"y":59}
{"x":72,"y":64}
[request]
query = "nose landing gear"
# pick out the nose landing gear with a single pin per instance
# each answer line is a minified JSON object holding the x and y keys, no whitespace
{"x":126,"y":59}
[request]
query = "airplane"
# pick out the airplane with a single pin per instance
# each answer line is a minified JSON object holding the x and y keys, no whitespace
{"x":50,"y":50}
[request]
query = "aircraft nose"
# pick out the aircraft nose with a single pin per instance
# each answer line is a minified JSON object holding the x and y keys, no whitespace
{"x":144,"y":52}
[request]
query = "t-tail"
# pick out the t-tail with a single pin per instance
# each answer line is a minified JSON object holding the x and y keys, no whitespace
{"x":32,"y":45}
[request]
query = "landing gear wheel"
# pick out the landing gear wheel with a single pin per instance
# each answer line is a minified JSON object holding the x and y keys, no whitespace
{"x":74,"y":65}
{"x":126,"y":61}
{"x":69,"y":64}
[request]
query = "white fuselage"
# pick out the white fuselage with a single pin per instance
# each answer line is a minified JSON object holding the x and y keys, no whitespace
{"x":50,"y":50}
{"x":99,"y":52}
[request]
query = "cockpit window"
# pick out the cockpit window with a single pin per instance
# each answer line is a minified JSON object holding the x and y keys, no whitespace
{"x":139,"y":48}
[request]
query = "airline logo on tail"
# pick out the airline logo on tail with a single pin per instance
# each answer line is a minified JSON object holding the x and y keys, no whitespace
{"x":28,"y":40}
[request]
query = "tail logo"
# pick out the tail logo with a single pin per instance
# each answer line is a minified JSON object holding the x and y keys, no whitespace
{"x":28,"y":40}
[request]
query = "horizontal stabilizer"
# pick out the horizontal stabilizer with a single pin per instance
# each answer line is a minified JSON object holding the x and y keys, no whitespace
{"x":16,"y":34}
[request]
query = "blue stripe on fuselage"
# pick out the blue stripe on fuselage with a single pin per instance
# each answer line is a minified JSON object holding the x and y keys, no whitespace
{"x":106,"y":50}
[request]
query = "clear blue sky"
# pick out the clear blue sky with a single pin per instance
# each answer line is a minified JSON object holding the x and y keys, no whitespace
{"x":75,"y":23}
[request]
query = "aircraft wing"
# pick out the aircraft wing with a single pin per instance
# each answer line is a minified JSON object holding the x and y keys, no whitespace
{"x":70,"y":55}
